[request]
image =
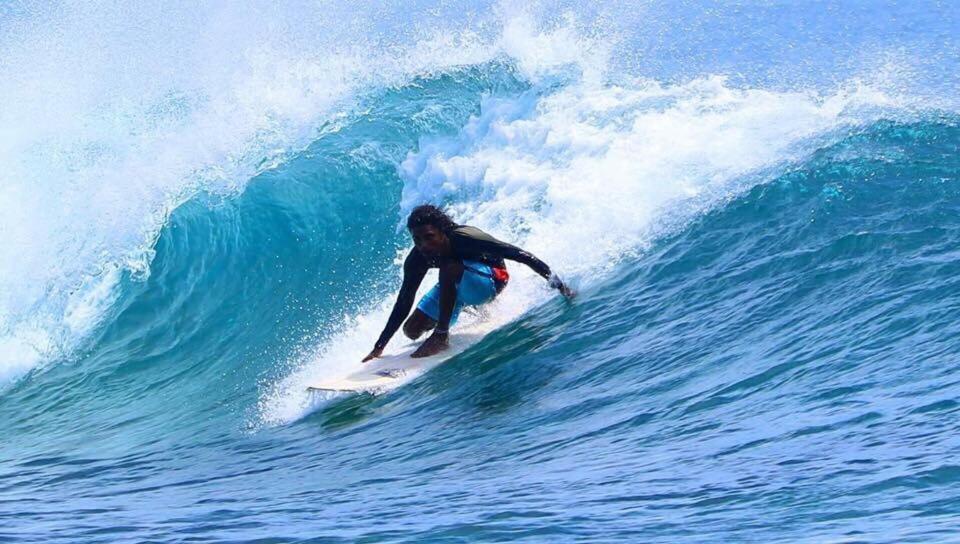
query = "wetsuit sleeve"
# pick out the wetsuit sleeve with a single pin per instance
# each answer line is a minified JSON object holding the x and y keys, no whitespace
{"x":521,"y":256}
{"x":414,"y":269}
{"x":489,"y":244}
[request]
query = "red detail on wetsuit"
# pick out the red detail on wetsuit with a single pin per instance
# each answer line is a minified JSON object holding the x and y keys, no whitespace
{"x":500,"y":275}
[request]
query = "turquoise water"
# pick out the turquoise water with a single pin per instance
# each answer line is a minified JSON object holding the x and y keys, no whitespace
{"x":205,"y":214}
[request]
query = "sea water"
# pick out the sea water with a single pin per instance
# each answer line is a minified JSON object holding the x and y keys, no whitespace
{"x":202,"y":210}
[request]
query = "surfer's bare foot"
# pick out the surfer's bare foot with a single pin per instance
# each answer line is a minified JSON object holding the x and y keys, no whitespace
{"x":373,"y":354}
{"x":432,"y":346}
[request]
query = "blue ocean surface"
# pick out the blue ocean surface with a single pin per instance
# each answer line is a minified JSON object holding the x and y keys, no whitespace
{"x":202,"y":212}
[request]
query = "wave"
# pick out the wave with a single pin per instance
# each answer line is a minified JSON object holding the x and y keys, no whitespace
{"x":155,"y":114}
{"x":586,"y":177}
{"x":793,"y":333}
{"x":766,"y":276}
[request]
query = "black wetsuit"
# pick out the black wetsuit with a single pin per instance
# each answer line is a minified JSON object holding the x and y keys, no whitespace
{"x":468,"y":243}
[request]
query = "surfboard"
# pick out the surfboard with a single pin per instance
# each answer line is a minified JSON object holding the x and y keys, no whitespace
{"x":376,"y":376}
{"x":396,"y":367}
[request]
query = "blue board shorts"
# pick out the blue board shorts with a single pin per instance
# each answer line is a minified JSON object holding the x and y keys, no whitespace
{"x":476,"y":287}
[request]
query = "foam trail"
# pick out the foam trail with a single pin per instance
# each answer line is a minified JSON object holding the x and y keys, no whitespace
{"x":288,"y":399}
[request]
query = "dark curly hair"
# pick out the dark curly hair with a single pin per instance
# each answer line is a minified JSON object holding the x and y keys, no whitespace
{"x":428,"y":214}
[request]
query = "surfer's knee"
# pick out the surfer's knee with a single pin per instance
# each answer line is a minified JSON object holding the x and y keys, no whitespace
{"x":416,"y":325}
{"x":411,"y":331}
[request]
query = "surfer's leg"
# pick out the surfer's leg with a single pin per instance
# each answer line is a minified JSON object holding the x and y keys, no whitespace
{"x":417,"y":324}
{"x":477,"y":285}
{"x":427,"y":314}
{"x":450,"y":273}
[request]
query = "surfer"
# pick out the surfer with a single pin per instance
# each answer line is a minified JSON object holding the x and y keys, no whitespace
{"x":472,"y":272}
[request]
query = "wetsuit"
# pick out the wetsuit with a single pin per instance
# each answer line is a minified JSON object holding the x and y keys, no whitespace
{"x":467,"y":243}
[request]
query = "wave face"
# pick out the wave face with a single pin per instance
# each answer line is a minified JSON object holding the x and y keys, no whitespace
{"x":761,"y":222}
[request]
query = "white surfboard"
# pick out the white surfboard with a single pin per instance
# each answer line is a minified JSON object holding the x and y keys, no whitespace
{"x":396,"y":367}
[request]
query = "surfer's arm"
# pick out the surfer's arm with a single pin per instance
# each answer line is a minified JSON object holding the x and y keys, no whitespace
{"x":450,"y":274}
{"x":451,"y":270}
{"x":413,"y":272}
{"x":541,"y":268}
{"x":514,"y":253}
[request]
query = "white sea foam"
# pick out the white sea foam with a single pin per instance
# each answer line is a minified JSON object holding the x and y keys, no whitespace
{"x":582,"y":175}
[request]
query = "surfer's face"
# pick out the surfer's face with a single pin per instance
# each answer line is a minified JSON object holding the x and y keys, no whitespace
{"x":429,"y":240}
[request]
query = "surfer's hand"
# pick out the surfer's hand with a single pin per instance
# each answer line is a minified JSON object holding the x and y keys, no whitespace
{"x":558,"y":284}
{"x":432,"y":346}
{"x":373,"y":354}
